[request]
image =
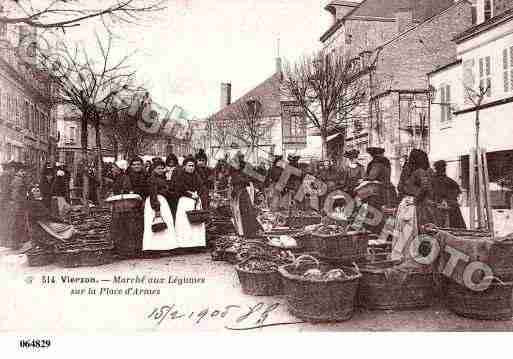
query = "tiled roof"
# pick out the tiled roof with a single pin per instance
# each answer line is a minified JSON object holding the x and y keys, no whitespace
{"x":422,"y":9}
{"x":490,"y":23}
{"x":267,"y":93}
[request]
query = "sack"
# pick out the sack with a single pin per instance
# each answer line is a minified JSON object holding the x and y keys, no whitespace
{"x":158,"y":225}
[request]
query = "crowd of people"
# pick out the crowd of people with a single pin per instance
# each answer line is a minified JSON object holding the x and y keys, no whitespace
{"x":166,"y":191}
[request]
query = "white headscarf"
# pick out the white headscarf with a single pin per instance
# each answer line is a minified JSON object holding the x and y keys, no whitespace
{"x":122,"y":164}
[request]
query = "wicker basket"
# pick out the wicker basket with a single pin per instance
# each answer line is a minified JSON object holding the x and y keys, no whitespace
{"x":301,"y":222}
{"x":96,"y":255}
{"x":305,"y":241}
{"x":198,"y":215}
{"x":39,"y":257}
{"x":330,"y":300}
{"x":346,"y":247}
{"x":383,"y":288}
{"x":494,"y":303}
{"x":259,"y":283}
{"x":68,"y":256}
{"x":499,"y":255}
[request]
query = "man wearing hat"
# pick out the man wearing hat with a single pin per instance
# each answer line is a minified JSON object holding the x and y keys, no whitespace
{"x":446,"y":192}
{"x":354,"y":172}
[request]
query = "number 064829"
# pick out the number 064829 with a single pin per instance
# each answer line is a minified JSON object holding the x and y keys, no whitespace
{"x":34,"y":343}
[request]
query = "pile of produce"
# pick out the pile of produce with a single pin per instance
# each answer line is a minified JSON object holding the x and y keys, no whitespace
{"x":317,"y":275}
{"x":259,"y":265}
{"x":330,"y":230}
{"x":282,"y":241}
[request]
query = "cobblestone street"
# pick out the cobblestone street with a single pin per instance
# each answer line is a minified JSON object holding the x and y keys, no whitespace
{"x":201,"y":306}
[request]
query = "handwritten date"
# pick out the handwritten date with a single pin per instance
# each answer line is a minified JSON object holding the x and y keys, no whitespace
{"x":258,"y":313}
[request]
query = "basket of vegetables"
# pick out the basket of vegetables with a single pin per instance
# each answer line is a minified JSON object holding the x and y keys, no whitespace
{"x":388,"y":284}
{"x":493,"y":303}
{"x":336,"y":244}
{"x":319,"y":292}
{"x":258,"y":275}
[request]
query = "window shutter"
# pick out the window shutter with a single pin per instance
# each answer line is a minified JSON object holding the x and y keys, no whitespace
{"x":487,"y":62}
{"x":448,"y":102}
{"x":481,"y":68}
{"x":505,"y":68}
{"x":442,"y":101}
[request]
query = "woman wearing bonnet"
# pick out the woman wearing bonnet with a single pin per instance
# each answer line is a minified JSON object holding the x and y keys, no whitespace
{"x":44,"y":228}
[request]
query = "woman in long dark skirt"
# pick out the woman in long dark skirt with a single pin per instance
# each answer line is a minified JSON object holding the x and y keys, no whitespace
{"x":46,"y":185}
{"x":243,"y":212}
{"x":127,"y":226}
{"x":172,"y":168}
{"x":206,"y":175}
{"x":5,"y":181}
{"x":446,"y":192}
{"x":16,"y":233}
{"x":417,"y":208}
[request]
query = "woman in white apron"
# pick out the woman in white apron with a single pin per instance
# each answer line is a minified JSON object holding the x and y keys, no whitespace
{"x":156,"y":209}
{"x":186,"y":186}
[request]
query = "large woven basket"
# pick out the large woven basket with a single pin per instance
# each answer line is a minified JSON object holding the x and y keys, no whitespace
{"x":330,"y":300}
{"x":301,"y":222}
{"x":305,"y":241}
{"x":494,"y":303}
{"x":97,"y":255}
{"x":383,"y":286}
{"x":346,"y":247}
{"x":499,"y":255}
{"x":38,"y":257}
{"x":259,"y":283}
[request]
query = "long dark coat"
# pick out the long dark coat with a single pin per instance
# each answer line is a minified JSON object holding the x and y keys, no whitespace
{"x":420,"y":186}
{"x":446,"y":189}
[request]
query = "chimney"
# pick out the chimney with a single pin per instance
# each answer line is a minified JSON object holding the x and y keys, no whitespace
{"x":226,"y":94}
{"x":403,"y":19}
{"x":278,"y":65}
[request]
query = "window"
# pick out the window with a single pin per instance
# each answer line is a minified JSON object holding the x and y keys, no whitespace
{"x":485,"y":78}
{"x":3,"y":29}
{"x":297,"y":127}
{"x":507,"y":66}
{"x":26,"y":115}
{"x":445,"y":103}
{"x":488,"y":9}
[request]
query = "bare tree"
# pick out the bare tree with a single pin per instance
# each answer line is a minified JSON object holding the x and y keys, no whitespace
{"x":48,"y":14}
{"x":327,"y":89}
{"x":124,"y":121}
{"x":476,"y":97}
{"x":250,"y":126}
{"x":88,"y":86}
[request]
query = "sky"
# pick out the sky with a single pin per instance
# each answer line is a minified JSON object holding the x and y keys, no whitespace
{"x":185,"y":53}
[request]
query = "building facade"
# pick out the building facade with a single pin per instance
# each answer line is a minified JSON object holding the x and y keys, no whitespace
{"x":483,"y":65}
{"x":282,"y":127}
{"x":28,"y":128}
{"x":395,"y":43}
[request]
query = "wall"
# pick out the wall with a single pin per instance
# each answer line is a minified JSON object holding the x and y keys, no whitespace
{"x":409,"y":60}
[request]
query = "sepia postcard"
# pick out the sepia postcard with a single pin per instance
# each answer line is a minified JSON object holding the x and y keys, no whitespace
{"x":271,"y":166}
